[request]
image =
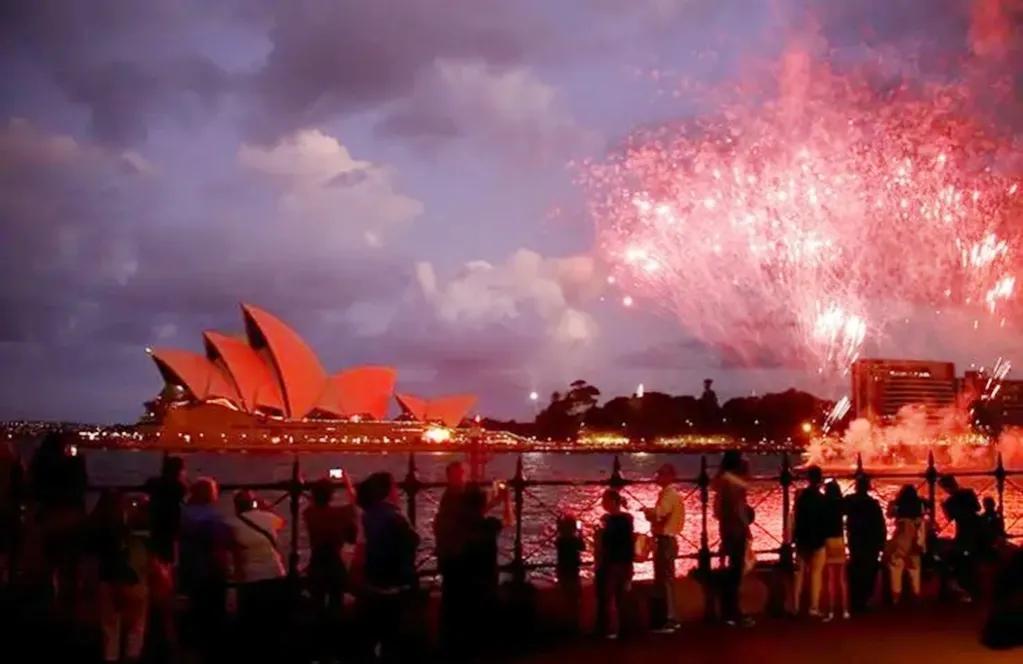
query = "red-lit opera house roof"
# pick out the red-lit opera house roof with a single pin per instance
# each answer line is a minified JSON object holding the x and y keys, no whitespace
{"x":202,"y":379}
{"x":449,"y":410}
{"x":271,"y":370}
{"x":299,"y":373}
{"x":364,"y":391}
{"x":253,"y":378}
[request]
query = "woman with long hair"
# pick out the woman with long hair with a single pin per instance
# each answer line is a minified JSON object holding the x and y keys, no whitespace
{"x":835,"y":587}
{"x":906,"y":546}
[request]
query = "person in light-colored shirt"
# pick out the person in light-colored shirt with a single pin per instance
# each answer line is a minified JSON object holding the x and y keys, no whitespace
{"x":666,"y":520}
{"x":669,"y":513}
{"x":262,"y":589}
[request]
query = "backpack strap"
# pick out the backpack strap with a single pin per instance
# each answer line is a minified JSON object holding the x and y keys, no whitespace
{"x":262,"y":531}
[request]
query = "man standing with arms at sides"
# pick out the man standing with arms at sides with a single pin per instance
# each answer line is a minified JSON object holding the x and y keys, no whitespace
{"x":865,"y":533}
{"x":666,"y":519}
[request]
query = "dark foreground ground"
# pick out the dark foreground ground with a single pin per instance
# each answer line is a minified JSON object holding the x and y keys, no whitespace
{"x":934,"y":634}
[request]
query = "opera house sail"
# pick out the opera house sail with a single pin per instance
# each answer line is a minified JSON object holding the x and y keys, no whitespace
{"x":267,"y":386}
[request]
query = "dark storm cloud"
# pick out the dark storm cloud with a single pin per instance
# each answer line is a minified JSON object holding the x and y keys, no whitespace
{"x":329,"y":57}
{"x":124,"y":62}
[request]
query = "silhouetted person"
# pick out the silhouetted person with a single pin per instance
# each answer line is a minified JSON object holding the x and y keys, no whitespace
{"x":992,"y":526}
{"x":12,"y":495}
{"x":666,"y":520}
{"x":732,"y":510}
{"x":569,"y":547}
{"x":58,"y":481}
{"x":808,"y":535}
{"x":166,"y":493}
{"x":904,"y":550}
{"x":166,"y":496}
{"x":473,"y":586}
{"x":208,"y":552}
{"x":447,"y":537}
{"x":834,"y":552}
{"x":613,"y":555}
{"x":708,"y":407}
{"x":962,"y":507}
{"x":119,"y":534}
{"x":866,"y":532}
{"x":390,"y":565}
{"x":1004,"y":626}
{"x":329,"y":528}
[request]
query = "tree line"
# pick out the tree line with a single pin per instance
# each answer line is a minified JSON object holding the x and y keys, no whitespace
{"x":577,"y":411}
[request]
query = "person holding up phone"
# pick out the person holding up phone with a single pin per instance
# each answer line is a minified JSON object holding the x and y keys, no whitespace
{"x":330,"y":527}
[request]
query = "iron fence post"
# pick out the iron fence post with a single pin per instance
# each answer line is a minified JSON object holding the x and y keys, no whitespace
{"x":411,"y":489}
{"x":703,"y":481}
{"x":785,"y":479}
{"x":1000,"y":484}
{"x":518,"y":482}
{"x":931,"y":475}
{"x":616,"y":480}
{"x":295,"y":491}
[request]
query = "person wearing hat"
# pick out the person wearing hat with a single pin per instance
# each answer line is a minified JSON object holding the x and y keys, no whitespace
{"x":666,"y":518}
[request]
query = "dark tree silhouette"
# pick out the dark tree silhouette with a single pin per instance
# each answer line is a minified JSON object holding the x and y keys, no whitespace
{"x":772,"y":417}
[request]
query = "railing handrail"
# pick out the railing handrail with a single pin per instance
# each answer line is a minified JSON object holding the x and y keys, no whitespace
{"x":295,"y":486}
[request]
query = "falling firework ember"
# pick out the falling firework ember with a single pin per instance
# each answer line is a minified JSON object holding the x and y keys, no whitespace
{"x":793,"y":230}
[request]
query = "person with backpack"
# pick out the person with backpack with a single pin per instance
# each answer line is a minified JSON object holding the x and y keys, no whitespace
{"x":263,"y":594}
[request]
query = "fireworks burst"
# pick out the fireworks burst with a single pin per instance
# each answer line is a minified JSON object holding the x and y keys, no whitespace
{"x":789,"y":229}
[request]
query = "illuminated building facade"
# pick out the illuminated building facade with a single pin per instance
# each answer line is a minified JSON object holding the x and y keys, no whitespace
{"x":881,"y":387}
{"x":269,"y":383}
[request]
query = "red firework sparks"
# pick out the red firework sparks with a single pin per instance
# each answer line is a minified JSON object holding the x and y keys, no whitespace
{"x":795,"y":226}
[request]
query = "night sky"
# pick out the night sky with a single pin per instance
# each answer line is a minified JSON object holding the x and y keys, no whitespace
{"x":392,"y":177}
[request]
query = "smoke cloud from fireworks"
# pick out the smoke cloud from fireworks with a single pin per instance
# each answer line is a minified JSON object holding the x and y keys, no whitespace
{"x":797,"y":226}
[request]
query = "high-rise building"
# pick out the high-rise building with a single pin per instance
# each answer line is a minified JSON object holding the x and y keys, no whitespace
{"x":881,"y":387}
{"x":1003,"y":398}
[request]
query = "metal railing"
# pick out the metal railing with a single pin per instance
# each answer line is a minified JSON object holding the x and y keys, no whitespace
{"x":699,"y":549}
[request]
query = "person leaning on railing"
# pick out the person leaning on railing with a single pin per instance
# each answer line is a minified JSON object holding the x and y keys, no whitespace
{"x":666,"y":520}
{"x":905,"y":548}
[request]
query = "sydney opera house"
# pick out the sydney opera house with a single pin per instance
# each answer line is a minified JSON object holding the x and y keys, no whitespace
{"x":267,"y":386}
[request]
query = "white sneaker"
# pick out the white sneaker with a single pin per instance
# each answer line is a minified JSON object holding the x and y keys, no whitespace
{"x":611,"y":637}
{"x":845,"y":615}
{"x":828,"y":618}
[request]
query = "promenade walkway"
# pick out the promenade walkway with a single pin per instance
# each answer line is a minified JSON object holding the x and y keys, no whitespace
{"x":932,"y":634}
